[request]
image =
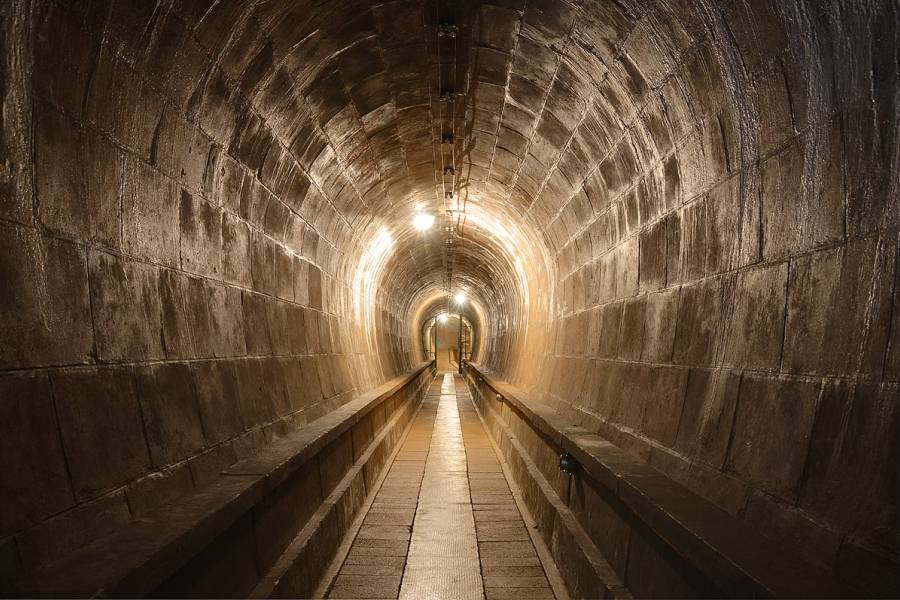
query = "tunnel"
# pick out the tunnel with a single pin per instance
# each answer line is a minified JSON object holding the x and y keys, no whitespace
{"x":449,"y":298}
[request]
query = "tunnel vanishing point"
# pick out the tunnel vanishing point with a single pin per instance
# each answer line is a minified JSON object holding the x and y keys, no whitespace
{"x":499,"y":299}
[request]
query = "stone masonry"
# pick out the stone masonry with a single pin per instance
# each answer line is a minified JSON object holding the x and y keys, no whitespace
{"x":675,"y":223}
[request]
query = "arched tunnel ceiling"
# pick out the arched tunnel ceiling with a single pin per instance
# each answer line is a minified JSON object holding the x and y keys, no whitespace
{"x":543,"y":91}
{"x":559,"y":110}
{"x":672,"y":218}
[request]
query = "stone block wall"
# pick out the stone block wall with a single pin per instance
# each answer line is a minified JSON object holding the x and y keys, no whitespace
{"x":728,"y":264}
{"x":681,"y":225}
{"x":283,"y":546}
{"x":616,"y":526}
{"x":173,"y":296}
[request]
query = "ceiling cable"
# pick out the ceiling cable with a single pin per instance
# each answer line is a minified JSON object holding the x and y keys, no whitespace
{"x":447,"y":93}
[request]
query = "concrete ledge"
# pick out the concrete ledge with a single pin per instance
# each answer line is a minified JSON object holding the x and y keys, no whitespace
{"x":138,"y":560}
{"x":727,"y":552}
{"x":581,"y":565}
{"x":298,"y":570}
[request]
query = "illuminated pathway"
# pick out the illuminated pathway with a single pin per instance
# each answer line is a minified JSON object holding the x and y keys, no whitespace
{"x":444,"y":523}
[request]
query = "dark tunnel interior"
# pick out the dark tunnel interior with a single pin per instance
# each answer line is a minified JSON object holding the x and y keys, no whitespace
{"x":227,"y":228}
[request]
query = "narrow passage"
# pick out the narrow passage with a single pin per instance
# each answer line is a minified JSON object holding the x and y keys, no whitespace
{"x":444,"y":523}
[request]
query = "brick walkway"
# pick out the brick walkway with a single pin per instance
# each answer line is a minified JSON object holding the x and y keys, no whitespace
{"x":444,"y":523}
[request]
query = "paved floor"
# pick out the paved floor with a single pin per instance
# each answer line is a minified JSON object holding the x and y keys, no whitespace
{"x":444,"y":523}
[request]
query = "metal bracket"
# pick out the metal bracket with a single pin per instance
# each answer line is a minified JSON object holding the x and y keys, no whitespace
{"x":447,"y":30}
{"x":568,"y":464}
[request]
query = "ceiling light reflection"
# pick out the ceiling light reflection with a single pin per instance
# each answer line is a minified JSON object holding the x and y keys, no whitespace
{"x":368,"y":271}
{"x":423,"y":221}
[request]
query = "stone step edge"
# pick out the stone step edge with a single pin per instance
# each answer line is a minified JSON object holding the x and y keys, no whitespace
{"x":137,"y":559}
{"x":590,"y":555}
{"x":314,"y":533}
{"x":728,"y":551}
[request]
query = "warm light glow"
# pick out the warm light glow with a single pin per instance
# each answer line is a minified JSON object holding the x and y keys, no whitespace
{"x":443,"y":318}
{"x":509,"y":237}
{"x":368,"y":272}
{"x":460,"y":298}
{"x":423,"y":221}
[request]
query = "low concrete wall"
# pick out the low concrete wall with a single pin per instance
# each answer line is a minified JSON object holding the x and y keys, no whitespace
{"x":268,"y":525}
{"x":617,"y":527}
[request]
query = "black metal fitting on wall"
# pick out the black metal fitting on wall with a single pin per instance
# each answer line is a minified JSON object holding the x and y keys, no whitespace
{"x":568,"y":463}
{"x":447,"y":30}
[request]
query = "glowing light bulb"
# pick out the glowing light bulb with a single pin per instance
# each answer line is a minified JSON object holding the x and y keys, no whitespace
{"x":460,"y":298}
{"x":443,"y":318}
{"x":423,"y":221}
